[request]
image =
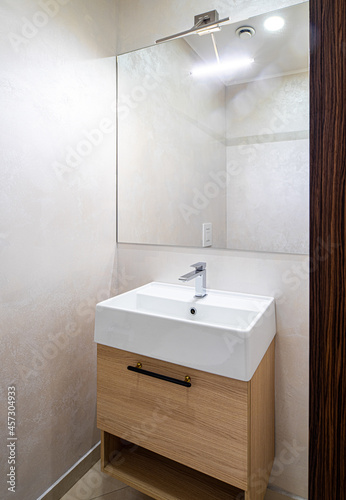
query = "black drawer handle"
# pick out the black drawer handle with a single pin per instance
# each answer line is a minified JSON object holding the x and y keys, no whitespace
{"x":138,"y":369}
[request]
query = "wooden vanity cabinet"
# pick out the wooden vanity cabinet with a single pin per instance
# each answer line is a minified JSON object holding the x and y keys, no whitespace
{"x":213,"y":440}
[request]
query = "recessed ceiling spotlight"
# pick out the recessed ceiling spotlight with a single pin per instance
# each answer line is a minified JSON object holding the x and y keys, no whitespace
{"x":274,"y":23}
{"x":245,"y":32}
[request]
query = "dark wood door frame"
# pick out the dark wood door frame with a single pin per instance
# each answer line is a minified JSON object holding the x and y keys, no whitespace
{"x":327,"y":250}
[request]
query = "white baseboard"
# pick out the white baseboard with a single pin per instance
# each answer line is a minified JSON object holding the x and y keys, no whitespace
{"x":67,"y":480}
{"x":278,"y":494}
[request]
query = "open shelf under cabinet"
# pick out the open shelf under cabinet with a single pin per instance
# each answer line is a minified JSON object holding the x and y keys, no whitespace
{"x":159,"y":477}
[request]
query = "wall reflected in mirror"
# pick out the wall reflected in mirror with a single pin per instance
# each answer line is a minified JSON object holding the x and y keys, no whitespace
{"x":228,"y":147}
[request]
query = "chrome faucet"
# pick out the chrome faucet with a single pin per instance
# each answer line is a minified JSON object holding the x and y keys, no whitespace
{"x":200,"y":274}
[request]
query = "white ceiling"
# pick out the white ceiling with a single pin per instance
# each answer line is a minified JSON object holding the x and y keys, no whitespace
{"x":274,"y":53}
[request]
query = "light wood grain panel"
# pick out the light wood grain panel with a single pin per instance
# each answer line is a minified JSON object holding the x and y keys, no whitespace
{"x":109,"y":445}
{"x":163,"y":479}
{"x":262,"y":417}
{"x":204,"y":427}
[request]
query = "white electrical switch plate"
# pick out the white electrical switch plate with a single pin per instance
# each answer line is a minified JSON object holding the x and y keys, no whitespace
{"x":207,"y":234}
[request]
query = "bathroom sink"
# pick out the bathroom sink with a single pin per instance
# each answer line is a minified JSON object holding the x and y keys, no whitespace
{"x":224,"y":333}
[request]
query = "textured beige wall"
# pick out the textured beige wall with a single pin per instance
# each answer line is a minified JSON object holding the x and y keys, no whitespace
{"x":283,"y":276}
{"x":57,"y":233}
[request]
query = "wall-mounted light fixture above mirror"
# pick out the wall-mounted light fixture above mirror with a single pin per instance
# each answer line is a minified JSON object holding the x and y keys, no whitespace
{"x":205,"y":24}
{"x":229,"y":148}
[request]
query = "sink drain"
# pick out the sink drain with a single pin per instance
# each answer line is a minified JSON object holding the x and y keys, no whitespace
{"x":193,"y":310}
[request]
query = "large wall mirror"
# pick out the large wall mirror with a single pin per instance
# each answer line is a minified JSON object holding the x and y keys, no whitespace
{"x":224,"y":144}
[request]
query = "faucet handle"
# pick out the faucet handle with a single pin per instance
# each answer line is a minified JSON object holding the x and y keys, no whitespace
{"x":199,"y":266}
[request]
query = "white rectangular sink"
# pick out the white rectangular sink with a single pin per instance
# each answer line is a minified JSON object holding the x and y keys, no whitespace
{"x":223,"y":333}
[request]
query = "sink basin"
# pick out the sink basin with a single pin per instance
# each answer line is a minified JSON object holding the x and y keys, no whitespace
{"x":224,"y":333}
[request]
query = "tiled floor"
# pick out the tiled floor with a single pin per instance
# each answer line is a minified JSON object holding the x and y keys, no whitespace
{"x":97,"y":485}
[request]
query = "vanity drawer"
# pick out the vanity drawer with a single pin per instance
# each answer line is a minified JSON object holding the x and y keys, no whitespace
{"x":205,"y":426}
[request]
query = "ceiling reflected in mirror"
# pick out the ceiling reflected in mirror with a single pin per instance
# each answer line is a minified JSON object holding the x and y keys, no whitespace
{"x":278,"y":45}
